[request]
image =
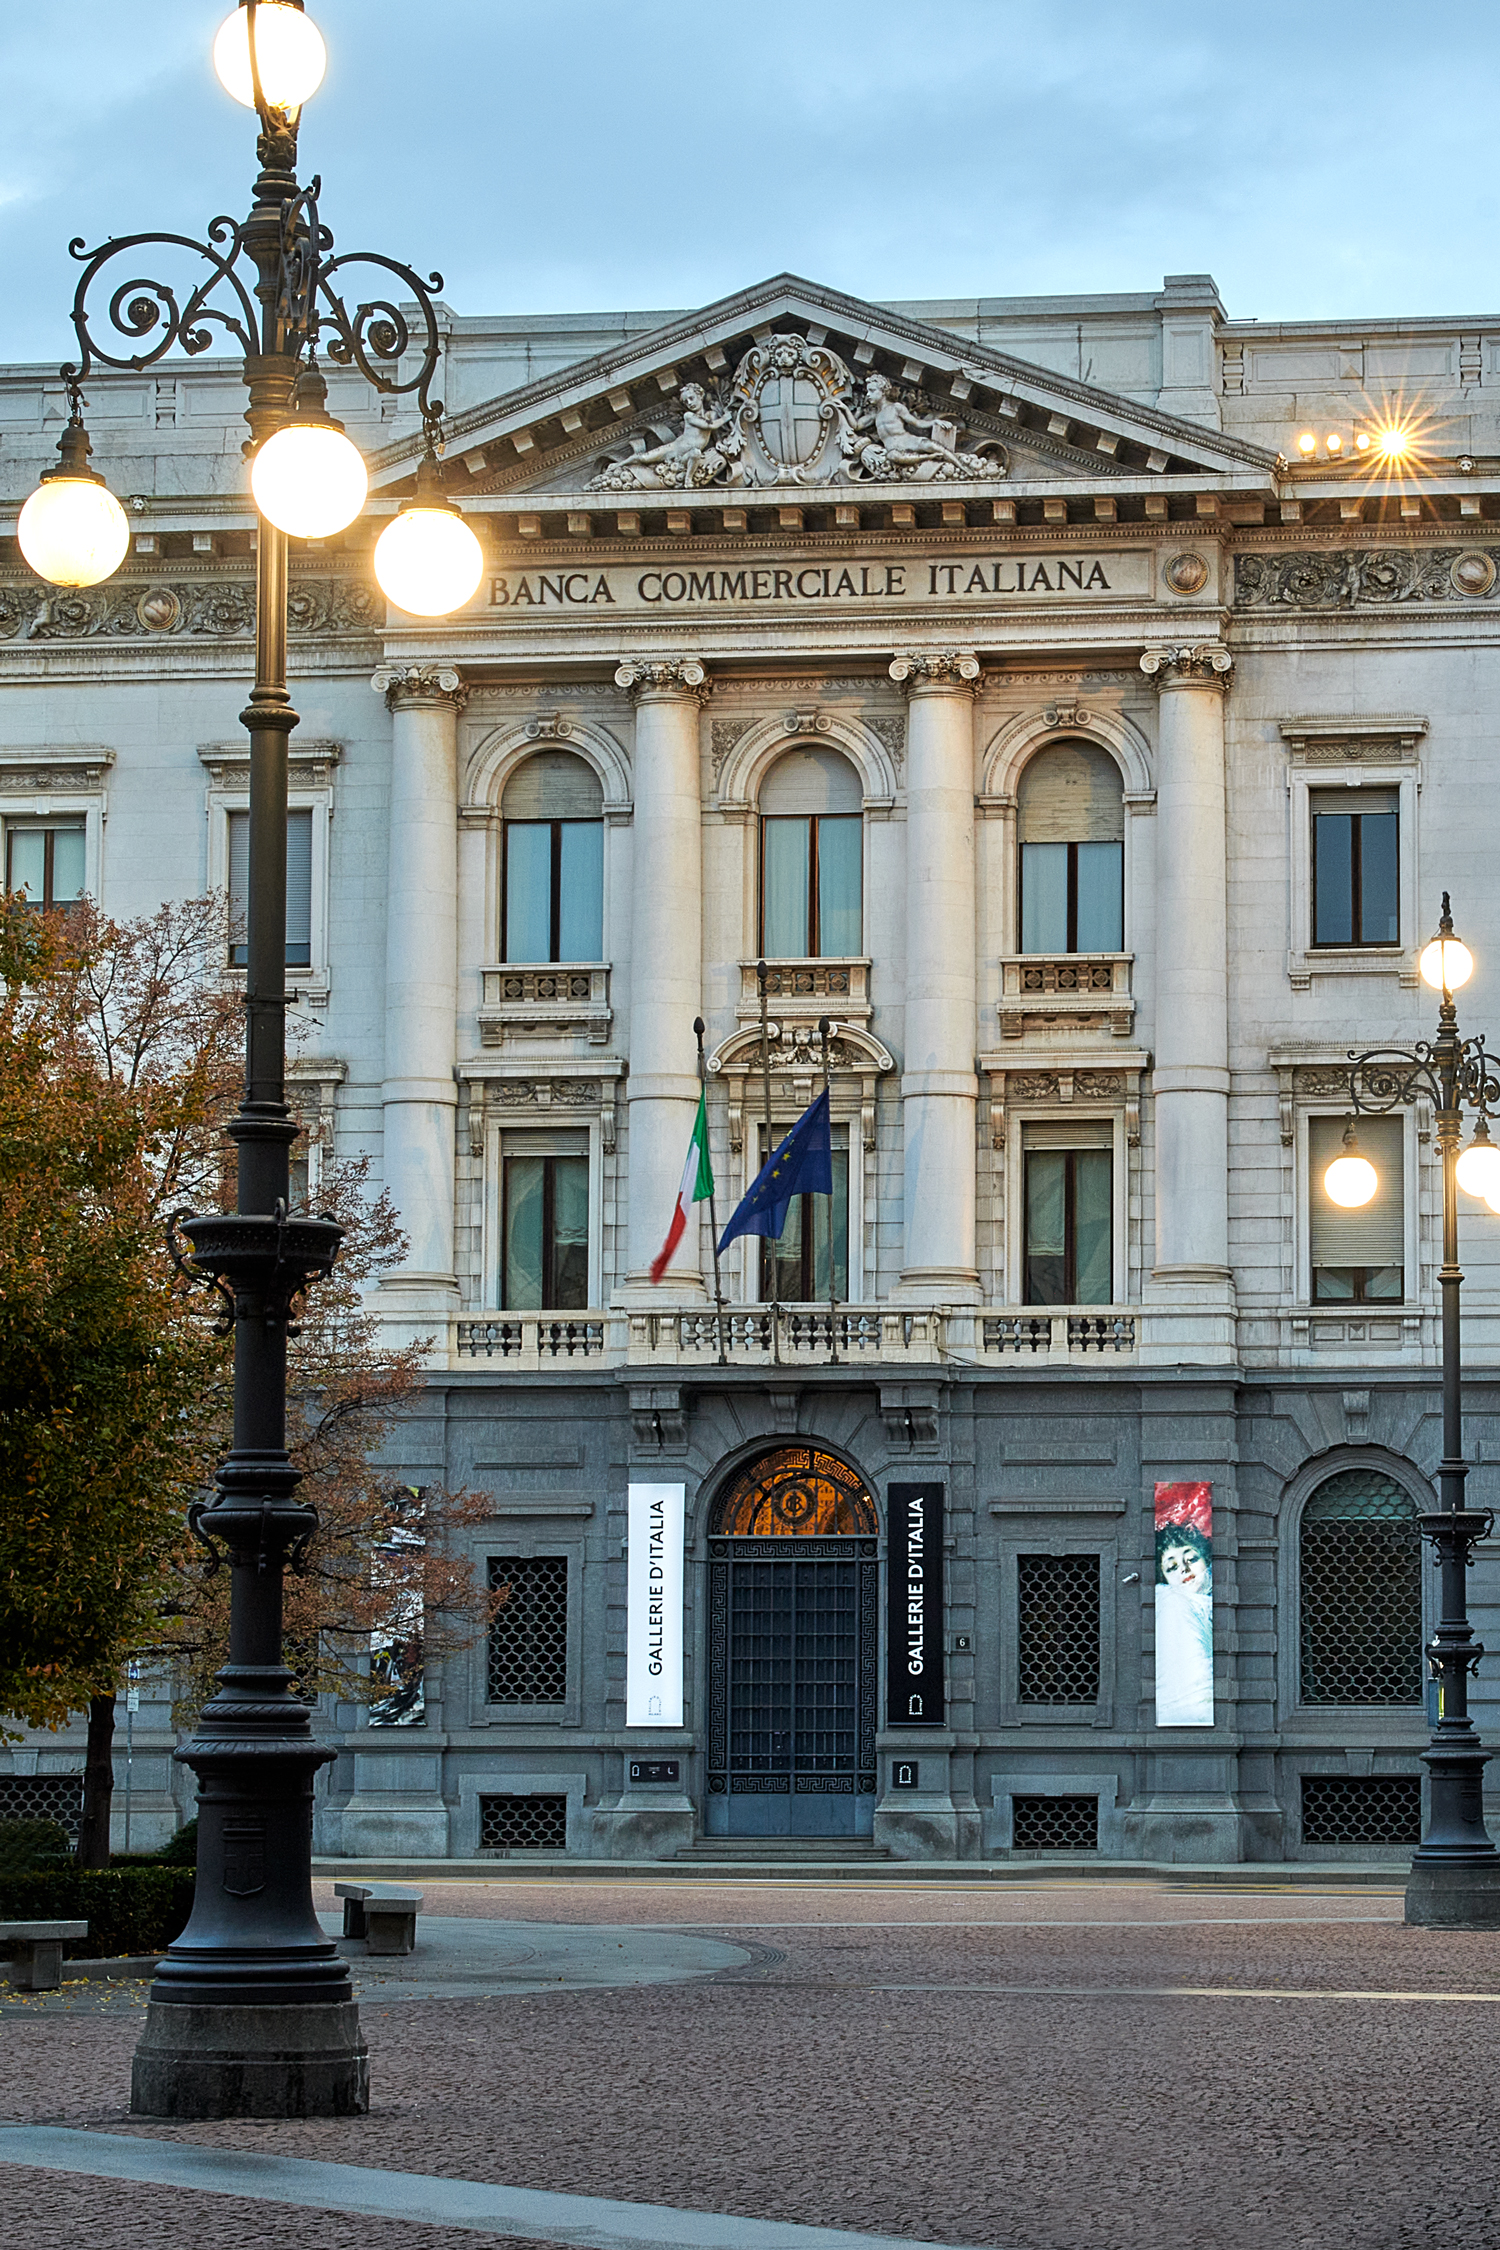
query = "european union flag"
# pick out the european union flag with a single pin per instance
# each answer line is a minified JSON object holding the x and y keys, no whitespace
{"x":801,"y":1165}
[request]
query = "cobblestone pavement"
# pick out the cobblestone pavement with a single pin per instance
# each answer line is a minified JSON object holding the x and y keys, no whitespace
{"x":1076,"y":2066}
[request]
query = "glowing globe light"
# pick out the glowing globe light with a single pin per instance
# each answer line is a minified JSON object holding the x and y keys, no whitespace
{"x":1334,"y":442}
{"x":309,"y":480}
{"x":1479,"y":1167}
{"x":1394,"y":443}
{"x":427,"y":560}
{"x":289,"y":54}
{"x":1362,"y":442}
{"x":1308,"y":442}
{"x":72,"y":530}
{"x":1351,"y":1180}
{"x":1445,"y":964}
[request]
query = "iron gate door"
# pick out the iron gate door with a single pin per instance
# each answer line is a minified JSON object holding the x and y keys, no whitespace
{"x":792,"y":1686}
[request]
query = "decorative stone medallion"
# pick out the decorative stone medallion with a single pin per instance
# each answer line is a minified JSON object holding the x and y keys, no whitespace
{"x":1186,"y":573}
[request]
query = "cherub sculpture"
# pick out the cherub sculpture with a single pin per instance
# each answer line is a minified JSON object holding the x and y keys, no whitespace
{"x":691,"y":458}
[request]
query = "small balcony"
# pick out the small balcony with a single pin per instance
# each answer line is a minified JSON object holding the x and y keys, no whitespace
{"x":556,"y":999}
{"x":819,"y":986}
{"x":1044,"y":994}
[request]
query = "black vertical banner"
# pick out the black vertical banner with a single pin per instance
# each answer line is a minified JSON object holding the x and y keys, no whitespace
{"x":914,"y":1695}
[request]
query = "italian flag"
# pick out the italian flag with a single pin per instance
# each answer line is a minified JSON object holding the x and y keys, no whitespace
{"x":697,"y":1185}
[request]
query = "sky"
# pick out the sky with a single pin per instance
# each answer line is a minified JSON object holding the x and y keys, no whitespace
{"x":1320,"y":160}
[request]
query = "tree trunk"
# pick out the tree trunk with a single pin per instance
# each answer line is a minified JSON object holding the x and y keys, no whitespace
{"x":98,"y":1784}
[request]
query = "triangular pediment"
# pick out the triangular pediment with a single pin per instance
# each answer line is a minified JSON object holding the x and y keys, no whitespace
{"x":791,"y":389}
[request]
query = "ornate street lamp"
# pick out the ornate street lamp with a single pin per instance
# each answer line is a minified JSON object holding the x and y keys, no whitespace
{"x":1455,"y":1871}
{"x":252,"y":2012}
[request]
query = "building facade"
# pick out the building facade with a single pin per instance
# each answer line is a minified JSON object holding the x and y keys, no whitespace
{"x":1050,"y":723}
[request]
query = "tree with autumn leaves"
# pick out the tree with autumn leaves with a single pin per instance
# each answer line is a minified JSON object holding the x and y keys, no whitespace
{"x":121,"y":1050}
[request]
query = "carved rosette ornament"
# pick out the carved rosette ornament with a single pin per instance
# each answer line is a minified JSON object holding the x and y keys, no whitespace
{"x":954,"y":670}
{"x":663,"y":675}
{"x":421,"y":683}
{"x":1205,"y":664}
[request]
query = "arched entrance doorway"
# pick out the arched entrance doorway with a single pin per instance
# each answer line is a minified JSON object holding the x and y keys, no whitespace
{"x":793,"y":1575}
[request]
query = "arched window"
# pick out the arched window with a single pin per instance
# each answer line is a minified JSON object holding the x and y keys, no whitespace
{"x":811,"y":872}
{"x":553,"y":905}
{"x":795,"y":1492}
{"x":1361,"y":1592}
{"x":1071,"y":820}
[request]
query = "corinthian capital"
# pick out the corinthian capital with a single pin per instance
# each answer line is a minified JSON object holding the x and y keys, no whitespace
{"x":663,"y":675}
{"x":1205,"y":664}
{"x":937,"y":668}
{"x":421,"y":683}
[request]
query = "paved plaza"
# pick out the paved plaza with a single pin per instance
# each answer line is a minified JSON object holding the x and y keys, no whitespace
{"x":1153,"y":2064}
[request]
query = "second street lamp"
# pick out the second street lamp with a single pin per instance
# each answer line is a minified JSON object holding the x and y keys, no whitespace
{"x":252,"y":2012}
{"x":1455,"y":1872}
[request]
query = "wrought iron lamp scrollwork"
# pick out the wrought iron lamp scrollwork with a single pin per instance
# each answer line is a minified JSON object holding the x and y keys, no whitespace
{"x":252,"y":2011}
{"x":1455,"y":1877}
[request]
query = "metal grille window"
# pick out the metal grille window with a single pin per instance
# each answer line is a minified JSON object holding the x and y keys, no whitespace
{"x":523,"y":1824}
{"x":43,"y":1796}
{"x":1054,"y":1824}
{"x":1361,"y":1809}
{"x":1057,"y":1628}
{"x":1361,"y":1580}
{"x":529,"y":1636}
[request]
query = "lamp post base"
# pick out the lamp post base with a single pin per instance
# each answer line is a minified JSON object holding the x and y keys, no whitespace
{"x":235,"y":2061}
{"x":1454,"y":1894}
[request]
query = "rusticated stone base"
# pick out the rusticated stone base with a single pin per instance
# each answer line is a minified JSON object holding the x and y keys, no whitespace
{"x":251,"y":2062}
{"x":1455,"y":1895}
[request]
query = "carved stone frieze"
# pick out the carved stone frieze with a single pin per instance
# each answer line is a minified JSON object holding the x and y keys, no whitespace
{"x":948,"y":668}
{"x":892,"y":732}
{"x":1204,"y":664}
{"x":208,"y":608}
{"x":1344,"y":578}
{"x":420,"y":683}
{"x":38,"y":768}
{"x":665,"y":675}
{"x":793,"y":413}
{"x":543,"y":1093}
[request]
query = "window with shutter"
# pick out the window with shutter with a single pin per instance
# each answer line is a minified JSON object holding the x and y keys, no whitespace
{"x":1068,"y":1195}
{"x":1071,"y":826}
{"x":1358,"y":1256}
{"x":811,"y":857}
{"x":299,"y":858}
{"x":553,"y":860}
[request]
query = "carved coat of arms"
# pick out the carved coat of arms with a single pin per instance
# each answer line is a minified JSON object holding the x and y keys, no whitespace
{"x":793,"y":414}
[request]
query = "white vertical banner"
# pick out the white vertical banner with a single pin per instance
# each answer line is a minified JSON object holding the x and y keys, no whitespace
{"x":653,"y":1636}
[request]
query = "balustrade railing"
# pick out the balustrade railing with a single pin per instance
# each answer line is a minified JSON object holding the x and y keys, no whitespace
{"x":796,"y":1335}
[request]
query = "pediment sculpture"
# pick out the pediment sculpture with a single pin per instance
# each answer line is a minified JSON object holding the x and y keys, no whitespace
{"x":793,"y":414}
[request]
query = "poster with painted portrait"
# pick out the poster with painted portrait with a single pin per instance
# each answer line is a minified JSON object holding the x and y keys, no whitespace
{"x":1184,"y":1605}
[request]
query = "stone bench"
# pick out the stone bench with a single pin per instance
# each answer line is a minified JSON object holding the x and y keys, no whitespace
{"x":36,"y":1965}
{"x":383,"y":1914}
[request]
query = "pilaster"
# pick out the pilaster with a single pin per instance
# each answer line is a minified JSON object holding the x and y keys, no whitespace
{"x":666,"y":961}
{"x":1190,"y":1080}
{"x":419,"y":1093}
{"x":939,"y":1084}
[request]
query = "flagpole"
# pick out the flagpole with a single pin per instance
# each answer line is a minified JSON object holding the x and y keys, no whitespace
{"x":713,"y":1216}
{"x":765,"y":1070}
{"x":824,"y":1028}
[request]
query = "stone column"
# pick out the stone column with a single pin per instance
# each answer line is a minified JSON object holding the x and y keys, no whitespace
{"x":1191,"y":1075}
{"x":419,"y":1093}
{"x":939,"y":1084}
{"x":666,"y":962}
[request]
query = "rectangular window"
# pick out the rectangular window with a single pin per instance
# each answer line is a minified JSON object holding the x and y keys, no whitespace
{"x":528,"y":1651}
{"x":1072,"y":898}
{"x":554,"y":890}
{"x":545,"y":1222}
{"x":1057,"y":1628}
{"x":794,"y":1271}
{"x":1358,"y":1256}
{"x":46,"y":862}
{"x":299,"y":841}
{"x":1068,"y":1193}
{"x":812,"y":885}
{"x":1354,"y":851}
